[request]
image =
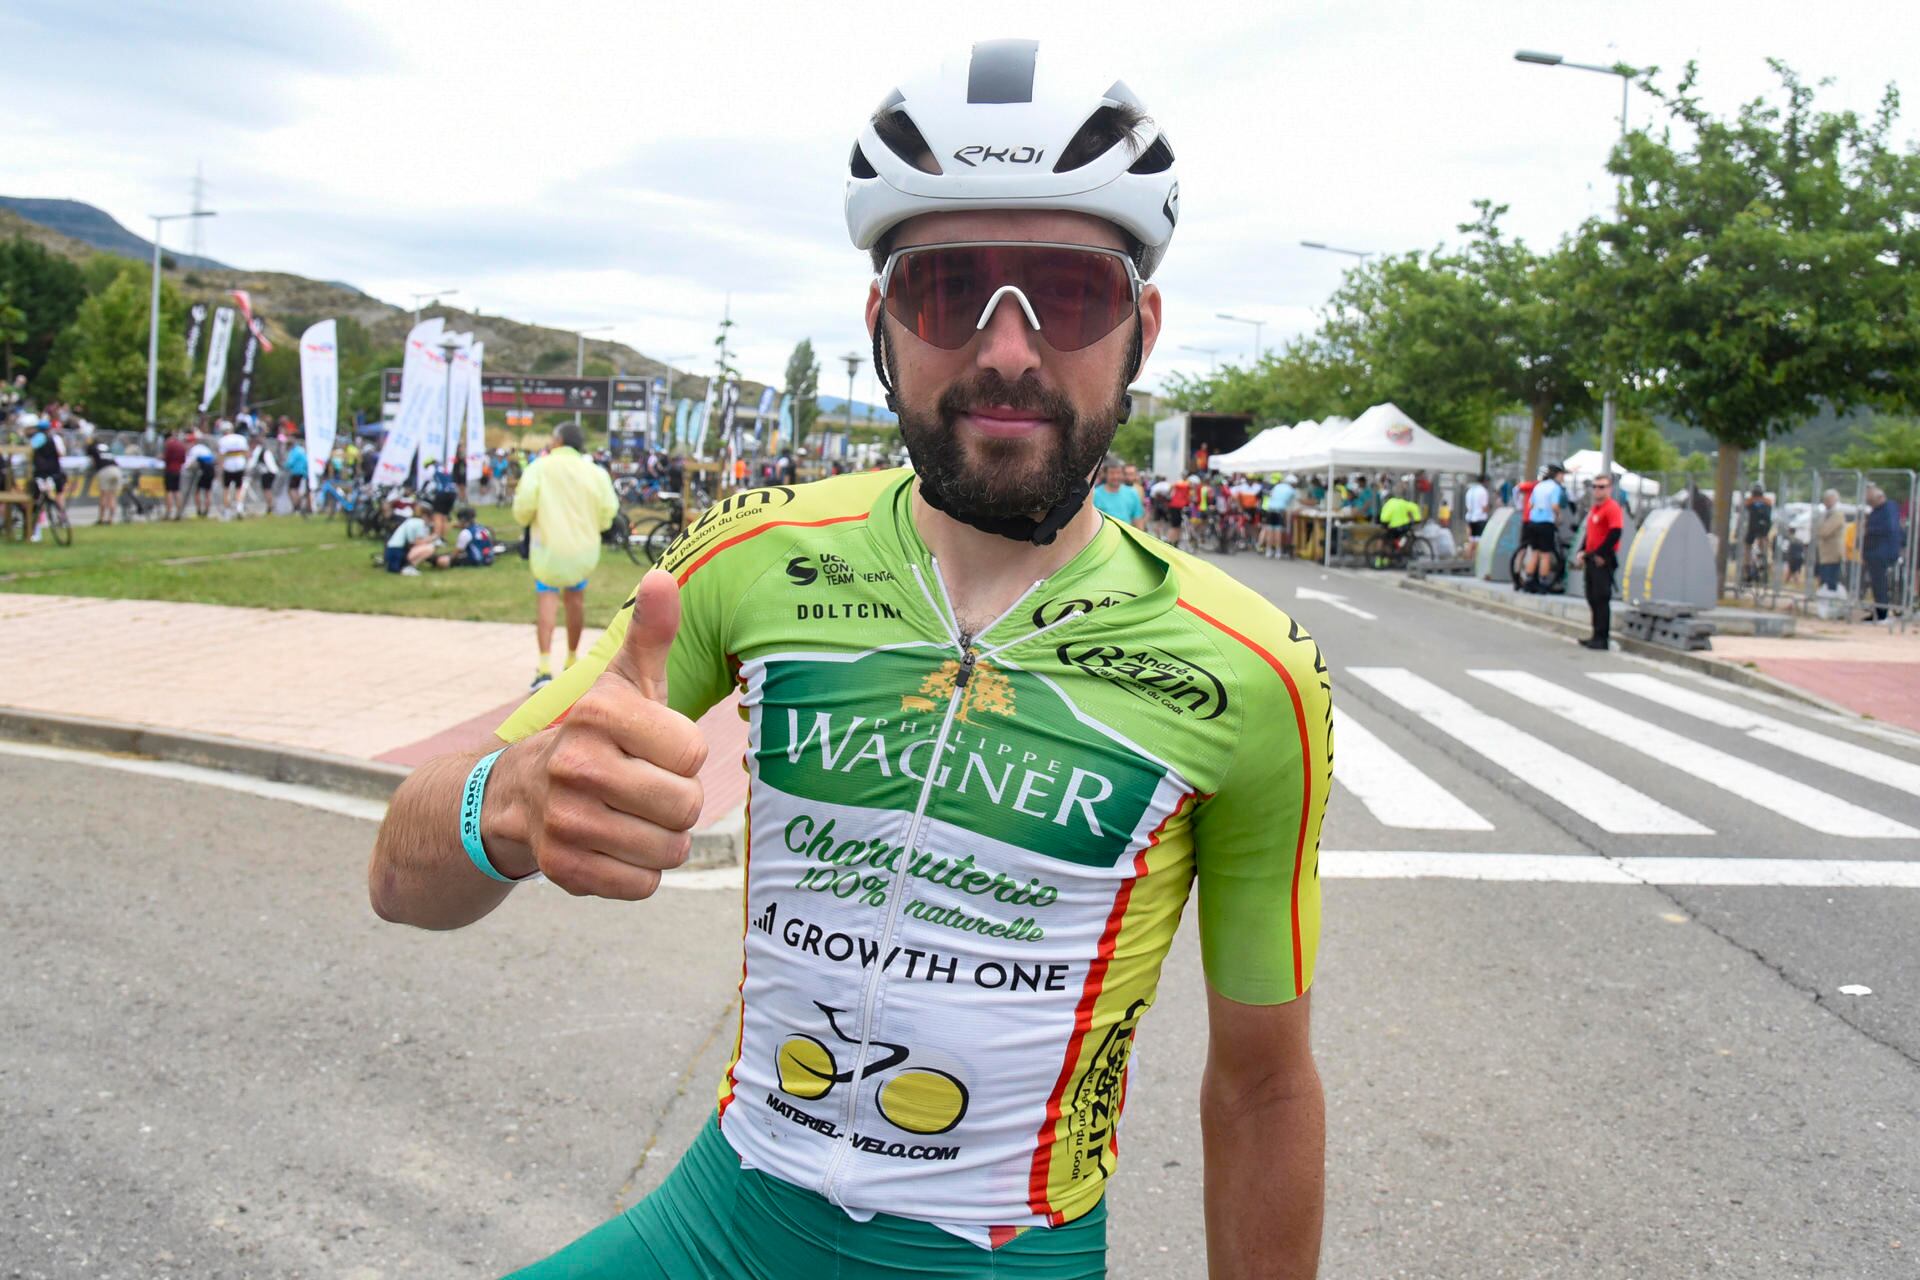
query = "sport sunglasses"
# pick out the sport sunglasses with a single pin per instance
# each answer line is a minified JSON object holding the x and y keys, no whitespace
{"x":1072,"y":294}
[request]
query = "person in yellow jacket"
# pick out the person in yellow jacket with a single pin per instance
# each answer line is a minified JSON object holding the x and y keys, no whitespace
{"x":565,"y":500}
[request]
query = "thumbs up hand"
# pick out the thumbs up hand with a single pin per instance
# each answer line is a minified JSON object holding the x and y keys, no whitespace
{"x":613,"y":790}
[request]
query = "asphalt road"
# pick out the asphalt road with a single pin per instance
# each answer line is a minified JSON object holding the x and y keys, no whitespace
{"x":218,"y":1062}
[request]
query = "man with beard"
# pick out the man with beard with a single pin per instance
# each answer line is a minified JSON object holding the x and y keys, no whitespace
{"x":996,"y":740}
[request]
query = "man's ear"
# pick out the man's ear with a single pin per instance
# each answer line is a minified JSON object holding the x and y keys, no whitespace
{"x":1149,"y":320}
{"x":873,"y":306}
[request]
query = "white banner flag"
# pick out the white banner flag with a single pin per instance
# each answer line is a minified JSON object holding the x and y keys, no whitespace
{"x":217,"y":356}
{"x":423,"y":391}
{"x":320,"y":393}
{"x":476,"y":421}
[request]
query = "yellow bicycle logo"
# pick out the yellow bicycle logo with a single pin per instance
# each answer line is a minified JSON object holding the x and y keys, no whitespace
{"x":920,"y":1100}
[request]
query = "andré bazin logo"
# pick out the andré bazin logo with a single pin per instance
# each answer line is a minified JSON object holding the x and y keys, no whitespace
{"x":1160,"y":676}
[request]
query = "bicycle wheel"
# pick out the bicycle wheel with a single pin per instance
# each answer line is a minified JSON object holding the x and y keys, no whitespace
{"x":659,"y":537}
{"x":59,"y":527}
{"x":621,"y":532}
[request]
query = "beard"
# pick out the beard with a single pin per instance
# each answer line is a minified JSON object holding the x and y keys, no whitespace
{"x":1015,"y":477}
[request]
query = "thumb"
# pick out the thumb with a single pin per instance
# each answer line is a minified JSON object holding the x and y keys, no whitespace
{"x":642,"y":657}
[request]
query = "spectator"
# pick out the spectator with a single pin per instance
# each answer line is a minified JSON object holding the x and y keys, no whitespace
{"x":411,"y":544}
{"x":173,"y":461}
{"x":297,"y":466}
{"x":475,"y":547}
{"x":1829,"y":541}
{"x":564,"y":502}
{"x":205,"y":466}
{"x":1540,"y":535}
{"x":1474,"y":504}
{"x":1121,"y":501}
{"x":1274,"y":534}
{"x":263,"y":469}
{"x":1130,"y":476}
{"x":437,"y":485}
{"x":1880,"y":548}
{"x":233,"y":472}
{"x":104,"y":470}
{"x":1600,"y":553}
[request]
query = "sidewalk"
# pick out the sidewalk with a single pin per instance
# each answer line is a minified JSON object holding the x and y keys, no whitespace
{"x":1872,"y":671}
{"x":366,"y":686}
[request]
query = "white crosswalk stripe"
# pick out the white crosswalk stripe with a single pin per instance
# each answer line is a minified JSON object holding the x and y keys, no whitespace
{"x":1395,"y":792}
{"x":1610,"y":804}
{"x":1845,"y":756}
{"x":1752,"y":783}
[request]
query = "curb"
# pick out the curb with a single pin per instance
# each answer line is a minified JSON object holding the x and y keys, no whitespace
{"x":718,"y":844}
{"x":342,"y":774}
{"x":1715,"y":667}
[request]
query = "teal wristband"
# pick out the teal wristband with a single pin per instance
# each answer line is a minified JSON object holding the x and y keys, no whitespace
{"x":470,"y":800}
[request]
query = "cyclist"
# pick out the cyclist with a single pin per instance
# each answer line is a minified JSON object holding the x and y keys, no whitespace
{"x":49,"y":475}
{"x":1022,"y":729}
{"x":1758,"y":535}
{"x":1399,"y":516}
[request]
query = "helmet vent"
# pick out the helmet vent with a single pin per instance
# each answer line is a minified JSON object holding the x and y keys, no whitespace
{"x":862,"y":167}
{"x":903,"y":137}
{"x":1157,"y":158}
{"x":1106,"y":128}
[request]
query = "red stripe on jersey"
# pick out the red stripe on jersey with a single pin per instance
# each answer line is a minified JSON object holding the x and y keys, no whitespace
{"x":1306,"y":780}
{"x":756,"y":531}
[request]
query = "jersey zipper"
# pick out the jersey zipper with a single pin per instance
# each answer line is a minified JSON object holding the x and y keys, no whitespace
{"x":969,"y":659}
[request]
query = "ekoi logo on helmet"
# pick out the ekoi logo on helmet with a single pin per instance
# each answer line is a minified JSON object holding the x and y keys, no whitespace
{"x":975,"y":155}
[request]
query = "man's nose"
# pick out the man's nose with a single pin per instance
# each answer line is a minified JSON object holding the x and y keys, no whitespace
{"x":1008,"y":344}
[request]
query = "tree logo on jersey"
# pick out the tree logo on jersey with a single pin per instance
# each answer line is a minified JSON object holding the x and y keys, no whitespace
{"x":988,"y":692}
{"x":919,"y":1100}
{"x":1157,"y":675}
{"x":1094,"y":1109}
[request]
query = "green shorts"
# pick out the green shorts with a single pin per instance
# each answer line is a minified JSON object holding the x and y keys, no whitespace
{"x":712,"y":1218}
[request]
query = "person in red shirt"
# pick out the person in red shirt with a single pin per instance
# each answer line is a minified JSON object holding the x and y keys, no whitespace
{"x":173,"y":458}
{"x":1600,"y":553}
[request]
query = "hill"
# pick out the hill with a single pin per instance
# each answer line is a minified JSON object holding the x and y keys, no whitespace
{"x":91,"y":226}
{"x":290,"y":302}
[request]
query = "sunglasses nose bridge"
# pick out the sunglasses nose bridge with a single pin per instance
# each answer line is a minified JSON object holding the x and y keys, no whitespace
{"x":993,"y":303}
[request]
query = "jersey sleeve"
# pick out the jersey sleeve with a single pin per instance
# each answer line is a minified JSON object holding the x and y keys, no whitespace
{"x":1257,"y":838}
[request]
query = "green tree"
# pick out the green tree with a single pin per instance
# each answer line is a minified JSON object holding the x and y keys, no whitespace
{"x":1639,"y":446}
{"x":803,"y":384}
{"x":48,"y":290}
{"x":1763,"y":267}
{"x":1890,"y":443}
{"x":103,"y":354}
{"x":1305,"y":378}
{"x":13,"y":331}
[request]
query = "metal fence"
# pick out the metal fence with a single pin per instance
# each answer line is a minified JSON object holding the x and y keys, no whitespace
{"x":1789,"y":563}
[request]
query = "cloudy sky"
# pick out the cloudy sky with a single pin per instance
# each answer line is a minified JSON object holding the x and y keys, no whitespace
{"x":633,"y":165}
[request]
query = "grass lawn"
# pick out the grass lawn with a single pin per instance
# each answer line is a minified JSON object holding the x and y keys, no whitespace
{"x":287,"y":562}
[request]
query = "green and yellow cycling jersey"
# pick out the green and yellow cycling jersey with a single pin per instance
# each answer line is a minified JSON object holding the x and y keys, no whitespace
{"x":968,"y":854}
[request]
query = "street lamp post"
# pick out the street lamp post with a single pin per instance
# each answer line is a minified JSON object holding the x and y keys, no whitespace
{"x":1363,"y":255}
{"x":580,"y":363}
{"x":153,"y":315}
{"x":1609,"y":409}
{"x":1211,"y":353}
{"x":1257,"y":326}
{"x":435,"y":294}
{"x":853,"y":363}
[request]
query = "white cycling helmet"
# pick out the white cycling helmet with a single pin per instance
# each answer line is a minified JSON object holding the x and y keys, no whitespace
{"x":1001,"y":127}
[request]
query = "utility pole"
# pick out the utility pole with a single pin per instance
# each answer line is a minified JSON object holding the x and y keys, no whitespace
{"x":199,"y":207}
{"x":153,"y":314}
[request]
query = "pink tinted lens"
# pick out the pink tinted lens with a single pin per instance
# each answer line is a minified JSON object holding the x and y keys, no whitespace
{"x":1079,"y":296}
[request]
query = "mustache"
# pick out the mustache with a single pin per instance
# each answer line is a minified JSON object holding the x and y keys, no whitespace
{"x":986,"y":388}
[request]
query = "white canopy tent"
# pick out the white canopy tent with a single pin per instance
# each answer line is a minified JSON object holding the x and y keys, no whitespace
{"x":1384,"y":438}
{"x":1586,"y":464}
{"x":1253,"y":455}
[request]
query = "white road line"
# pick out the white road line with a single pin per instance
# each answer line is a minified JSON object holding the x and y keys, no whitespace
{"x":1585,"y":868}
{"x":1845,"y":756}
{"x":292,"y":793}
{"x":1395,"y":792}
{"x":1808,"y":806}
{"x":1605,"y":801}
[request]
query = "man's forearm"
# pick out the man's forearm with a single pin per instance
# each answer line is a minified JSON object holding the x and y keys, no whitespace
{"x":1265,"y":1178}
{"x":420,"y":873}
